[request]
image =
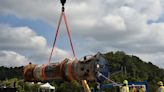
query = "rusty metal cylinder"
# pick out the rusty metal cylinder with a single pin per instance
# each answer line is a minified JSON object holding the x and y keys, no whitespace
{"x":64,"y":70}
{"x":85,"y":69}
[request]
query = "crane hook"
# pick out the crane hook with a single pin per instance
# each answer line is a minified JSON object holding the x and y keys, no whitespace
{"x":63,"y":2}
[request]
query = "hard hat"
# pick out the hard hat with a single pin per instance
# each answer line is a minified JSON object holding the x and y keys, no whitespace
{"x":125,"y":82}
{"x":133,"y":85}
{"x":160,"y":83}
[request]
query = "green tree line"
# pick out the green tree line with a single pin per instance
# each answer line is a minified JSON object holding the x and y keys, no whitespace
{"x":121,"y":66}
{"x":134,"y":69}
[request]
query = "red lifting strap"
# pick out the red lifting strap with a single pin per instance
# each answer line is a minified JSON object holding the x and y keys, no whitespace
{"x":69,"y":35}
{"x":57,"y":31}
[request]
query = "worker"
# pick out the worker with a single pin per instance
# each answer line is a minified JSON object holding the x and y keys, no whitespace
{"x":133,"y":88}
{"x":161,"y":87}
{"x":142,"y":89}
{"x":125,"y":87}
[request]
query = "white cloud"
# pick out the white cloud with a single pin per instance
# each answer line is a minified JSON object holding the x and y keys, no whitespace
{"x":20,"y":42}
{"x":10,"y":58}
{"x":44,"y":10}
{"x":20,"y":37}
{"x":115,"y":21}
{"x":98,"y":25}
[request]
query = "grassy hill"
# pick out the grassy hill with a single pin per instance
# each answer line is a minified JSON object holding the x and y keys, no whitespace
{"x":122,"y":66}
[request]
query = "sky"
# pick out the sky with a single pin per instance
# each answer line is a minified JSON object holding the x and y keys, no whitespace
{"x":27,"y":29}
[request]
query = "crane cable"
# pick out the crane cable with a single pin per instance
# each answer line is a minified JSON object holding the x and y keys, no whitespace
{"x":62,"y":15}
{"x":84,"y":82}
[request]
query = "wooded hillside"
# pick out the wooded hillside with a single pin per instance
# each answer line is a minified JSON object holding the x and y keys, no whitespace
{"x":122,"y":66}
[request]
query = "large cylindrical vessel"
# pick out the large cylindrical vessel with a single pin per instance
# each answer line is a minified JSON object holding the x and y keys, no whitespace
{"x":84,"y":69}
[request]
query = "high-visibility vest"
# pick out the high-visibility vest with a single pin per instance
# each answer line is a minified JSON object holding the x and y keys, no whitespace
{"x":141,"y":90}
{"x":133,"y":90}
{"x":124,"y":89}
{"x":160,"y":89}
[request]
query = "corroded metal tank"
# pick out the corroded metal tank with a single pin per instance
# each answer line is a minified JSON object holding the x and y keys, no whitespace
{"x":86,"y":68}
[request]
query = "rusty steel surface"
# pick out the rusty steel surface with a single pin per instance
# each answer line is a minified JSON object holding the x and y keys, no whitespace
{"x":83,"y":69}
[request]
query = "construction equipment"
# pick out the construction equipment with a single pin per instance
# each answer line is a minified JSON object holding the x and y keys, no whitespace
{"x":87,"y":69}
{"x":82,"y":70}
{"x":137,"y":85}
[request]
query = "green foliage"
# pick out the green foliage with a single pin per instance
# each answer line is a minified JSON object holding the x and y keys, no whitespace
{"x":8,"y":73}
{"x":72,"y":86}
{"x":134,"y":69}
{"x":122,"y":66}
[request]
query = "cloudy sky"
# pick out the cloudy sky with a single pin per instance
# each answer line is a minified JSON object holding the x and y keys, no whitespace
{"x":27,"y":29}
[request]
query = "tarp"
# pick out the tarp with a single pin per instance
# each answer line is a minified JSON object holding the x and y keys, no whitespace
{"x":47,"y":86}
